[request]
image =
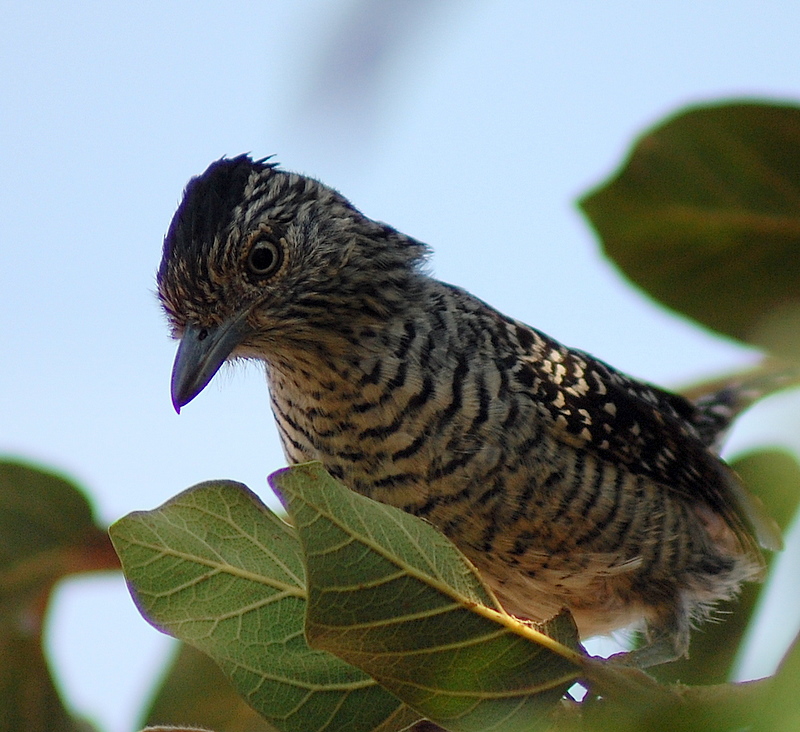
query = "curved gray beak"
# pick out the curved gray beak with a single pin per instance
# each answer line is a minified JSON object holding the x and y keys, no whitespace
{"x":200,"y":354}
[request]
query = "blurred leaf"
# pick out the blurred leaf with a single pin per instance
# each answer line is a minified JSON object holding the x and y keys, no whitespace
{"x":46,"y":532}
{"x":351,"y":70}
{"x":29,"y":699}
{"x":715,"y":708}
{"x":176,"y":729}
{"x":774,"y":477}
{"x":393,"y":596}
{"x":217,"y":569}
{"x":705,"y":216}
{"x":195,"y":691}
{"x":780,"y":711}
{"x":749,"y":386}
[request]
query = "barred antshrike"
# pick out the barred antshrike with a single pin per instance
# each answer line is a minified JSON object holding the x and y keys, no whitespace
{"x":567,"y":483}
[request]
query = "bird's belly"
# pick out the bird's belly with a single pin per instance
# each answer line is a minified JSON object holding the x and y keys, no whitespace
{"x":599,"y":596}
{"x":547,"y":526}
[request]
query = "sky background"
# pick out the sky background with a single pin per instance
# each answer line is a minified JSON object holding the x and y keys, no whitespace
{"x":472,"y":126}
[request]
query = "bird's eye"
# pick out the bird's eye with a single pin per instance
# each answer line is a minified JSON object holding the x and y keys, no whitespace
{"x":265,"y":258}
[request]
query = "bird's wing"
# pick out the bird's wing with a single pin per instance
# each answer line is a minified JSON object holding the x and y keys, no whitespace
{"x":623,"y":421}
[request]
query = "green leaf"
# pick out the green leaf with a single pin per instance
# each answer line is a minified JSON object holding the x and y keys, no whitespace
{"x":393,"y":596}
{"x":705,"y":216}
{"x":774,"y":477}
{"x":46,"y":533}
{"x":217,"y":569}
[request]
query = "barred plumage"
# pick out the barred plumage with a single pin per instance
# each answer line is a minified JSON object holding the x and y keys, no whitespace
{"x":567,"y":483}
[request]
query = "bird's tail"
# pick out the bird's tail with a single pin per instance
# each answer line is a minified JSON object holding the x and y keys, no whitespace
{"x":720,"y":402}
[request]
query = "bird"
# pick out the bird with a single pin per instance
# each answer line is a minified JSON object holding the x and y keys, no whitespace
{"x":567,"y":483}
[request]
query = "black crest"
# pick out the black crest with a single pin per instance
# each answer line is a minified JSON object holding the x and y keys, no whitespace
{"x":209,"y":201}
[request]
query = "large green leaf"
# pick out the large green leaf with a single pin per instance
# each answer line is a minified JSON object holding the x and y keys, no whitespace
{"x":705,"y":216}
{"x":217,"y":569}
{"x":392,"y":595}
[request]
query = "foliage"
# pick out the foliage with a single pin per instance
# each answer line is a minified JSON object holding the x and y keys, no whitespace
{"x":704,"y":217}
{"x":47,"y":532}
{"x":355,"y":616}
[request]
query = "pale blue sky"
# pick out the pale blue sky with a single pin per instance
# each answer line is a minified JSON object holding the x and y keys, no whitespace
{"x":472,"y":126}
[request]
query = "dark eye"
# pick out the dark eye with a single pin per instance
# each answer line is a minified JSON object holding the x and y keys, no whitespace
{"x":265,"y":258}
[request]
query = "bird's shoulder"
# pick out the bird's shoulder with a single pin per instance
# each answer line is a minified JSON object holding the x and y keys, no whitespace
{"x":594,"y":405}
{"x":648,"y":431}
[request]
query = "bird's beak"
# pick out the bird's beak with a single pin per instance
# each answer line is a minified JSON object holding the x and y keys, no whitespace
{"x":200,"y":354}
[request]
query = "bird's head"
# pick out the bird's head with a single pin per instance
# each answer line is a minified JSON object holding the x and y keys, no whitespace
{"x":258,"y":261}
